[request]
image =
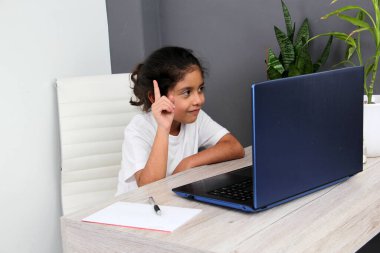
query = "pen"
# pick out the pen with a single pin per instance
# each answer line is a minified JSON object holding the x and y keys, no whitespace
{"x":155,"y":206}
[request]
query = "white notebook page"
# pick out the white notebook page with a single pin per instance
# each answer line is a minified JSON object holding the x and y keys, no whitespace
{"x":143,"y":216}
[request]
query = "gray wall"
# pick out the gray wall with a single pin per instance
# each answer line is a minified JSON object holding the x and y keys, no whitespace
{"x":230,"y":37}
{"x":134,"y":31}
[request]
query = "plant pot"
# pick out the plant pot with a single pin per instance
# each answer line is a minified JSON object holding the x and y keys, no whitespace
{"x":371,"y":128}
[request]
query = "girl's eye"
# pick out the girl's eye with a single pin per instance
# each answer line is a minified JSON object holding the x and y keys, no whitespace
{"x":201,"y":89}
{"x":186,"y":93}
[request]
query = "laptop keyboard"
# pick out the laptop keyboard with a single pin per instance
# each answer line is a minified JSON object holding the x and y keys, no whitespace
{"x":239,"y":191}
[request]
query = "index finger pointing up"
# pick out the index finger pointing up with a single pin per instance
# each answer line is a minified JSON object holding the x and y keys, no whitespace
{"x":157,"y":93}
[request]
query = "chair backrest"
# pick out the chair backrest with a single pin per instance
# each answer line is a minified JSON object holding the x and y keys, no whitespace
{"x":93,"y":112}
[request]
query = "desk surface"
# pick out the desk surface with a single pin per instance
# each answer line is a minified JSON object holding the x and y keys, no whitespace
{"x":341,"y":218}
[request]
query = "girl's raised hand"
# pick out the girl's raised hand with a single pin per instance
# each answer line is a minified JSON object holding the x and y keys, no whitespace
{"x":162,"y":108}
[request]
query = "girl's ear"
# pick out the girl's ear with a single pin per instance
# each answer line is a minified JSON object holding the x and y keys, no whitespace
{"x":151,"y":96}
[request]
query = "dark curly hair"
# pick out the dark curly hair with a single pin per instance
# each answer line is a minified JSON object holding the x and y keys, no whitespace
{"x":167,"y":65}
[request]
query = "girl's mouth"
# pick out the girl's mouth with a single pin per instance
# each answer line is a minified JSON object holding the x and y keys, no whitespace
{"x":196,"y":111}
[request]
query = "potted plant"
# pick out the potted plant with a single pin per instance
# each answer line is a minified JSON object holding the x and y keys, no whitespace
{"x":294,"y":58}
{"x":363,"y":21}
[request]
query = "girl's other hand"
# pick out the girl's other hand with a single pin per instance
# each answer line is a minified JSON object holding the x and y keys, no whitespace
{"x":162,"y":108}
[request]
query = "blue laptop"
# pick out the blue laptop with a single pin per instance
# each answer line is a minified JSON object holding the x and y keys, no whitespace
{"x":307,"y":134}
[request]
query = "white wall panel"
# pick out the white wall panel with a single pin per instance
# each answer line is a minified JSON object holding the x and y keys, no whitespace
{"x":40,"y":41}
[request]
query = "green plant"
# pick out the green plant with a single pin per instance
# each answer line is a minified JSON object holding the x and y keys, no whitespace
{"x":294,"y":58}
{"x":363,"y":21}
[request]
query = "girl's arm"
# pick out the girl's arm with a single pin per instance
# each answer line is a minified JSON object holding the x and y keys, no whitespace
{"x":155,"y":167}
{"x":227,"y":148}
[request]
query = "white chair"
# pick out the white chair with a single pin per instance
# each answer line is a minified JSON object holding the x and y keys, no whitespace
{"x":93,"y":112}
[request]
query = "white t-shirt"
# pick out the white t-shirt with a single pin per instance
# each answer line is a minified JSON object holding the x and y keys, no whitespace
{"x":138,"y":140}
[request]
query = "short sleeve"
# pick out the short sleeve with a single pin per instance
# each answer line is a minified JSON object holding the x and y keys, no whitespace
{"x":136,"y":148}
{"x":210,"y":132}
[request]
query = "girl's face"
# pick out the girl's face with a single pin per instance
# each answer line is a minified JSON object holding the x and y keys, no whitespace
{"x":188,"y":96}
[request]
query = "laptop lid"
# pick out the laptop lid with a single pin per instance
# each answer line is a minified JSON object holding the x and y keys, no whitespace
{"x":307,"y":133}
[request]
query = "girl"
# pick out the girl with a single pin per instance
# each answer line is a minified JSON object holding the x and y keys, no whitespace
{"x":166,"y":137}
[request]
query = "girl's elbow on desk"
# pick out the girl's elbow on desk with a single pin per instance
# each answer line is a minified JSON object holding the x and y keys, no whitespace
{"x":233,"y":147}
{"x":239,"y":151}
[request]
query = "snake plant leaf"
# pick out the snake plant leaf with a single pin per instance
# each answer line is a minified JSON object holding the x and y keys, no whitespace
{"x":273,"y":73}
{"x":274,"y":66}
{"x":294,"y":29}
{"x":294,"y":57}
{"x":294,"y":71}
{"x":286,"y":47}
{"x":274,"y":63}
{"x":303,"y":62}
{"x":325,"y":54}
{"x":288,"y":21}
{"x":303,"y":33}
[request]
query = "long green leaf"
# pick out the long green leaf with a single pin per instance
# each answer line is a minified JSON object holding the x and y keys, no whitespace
{"x":347,"y":8}
{"x":288,"y":21}
{"x":349,"y":52}
{"x":359,"y":30}
{"x":286,"y":47}
{"x":359,"y":49}
{"x":368,"y":69}
{"x":325,"y":54}
{"x":359,"y":15}
{"x":344,"y":62}
{"x":376,"y":28}
{"x":341,"y":36}
{"x":354,"y":21}
{"x":376,"y":6}
{"x":303,"y":33}
{"x":371,"y":59}
{"x":368,"y":63}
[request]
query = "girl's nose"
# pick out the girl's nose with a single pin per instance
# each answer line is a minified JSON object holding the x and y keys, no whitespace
{"x":198,"y":98}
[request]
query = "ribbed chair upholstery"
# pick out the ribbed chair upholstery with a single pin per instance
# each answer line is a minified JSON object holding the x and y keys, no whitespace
{"x":93,"y":112}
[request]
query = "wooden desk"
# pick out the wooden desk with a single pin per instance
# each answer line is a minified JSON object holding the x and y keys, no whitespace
{"x":341,"y":218}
